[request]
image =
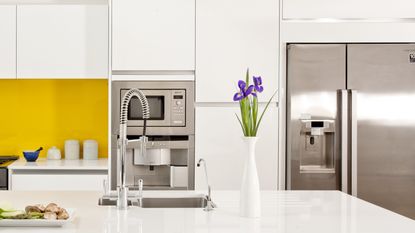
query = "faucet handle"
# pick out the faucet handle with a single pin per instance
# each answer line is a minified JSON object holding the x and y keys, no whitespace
{"x":105,"y":186}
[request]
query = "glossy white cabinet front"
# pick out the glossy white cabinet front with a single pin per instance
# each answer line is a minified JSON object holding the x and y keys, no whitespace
{"x":348,"y":9}
{"x":232,"y":35}
{"x":62,"y":41}
{"x":7,"y":41}
{"x":219,"y":142}
{"x":57,"y":182}
{"x":153,"y":35}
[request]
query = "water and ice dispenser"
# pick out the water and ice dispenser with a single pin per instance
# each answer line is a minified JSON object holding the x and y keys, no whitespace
{"x":317,"y":146}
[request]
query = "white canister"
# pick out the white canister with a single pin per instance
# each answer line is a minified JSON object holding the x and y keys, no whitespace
{"x":90,"y":149}
{"x":72,"y":149}
{"x":54,"y":153}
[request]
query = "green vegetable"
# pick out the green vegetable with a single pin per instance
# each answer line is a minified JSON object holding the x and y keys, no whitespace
{"x":35,"y":215}
{"x":19,"y":214}
{"x":6,"y":210}
{"x":6,"y":207}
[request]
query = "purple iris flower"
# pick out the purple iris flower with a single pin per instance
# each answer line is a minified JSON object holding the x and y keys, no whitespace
{"x":243,"y":91}
{"x":258,"y":84}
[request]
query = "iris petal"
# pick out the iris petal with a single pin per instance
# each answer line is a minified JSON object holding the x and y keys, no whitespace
{"x":258,"y":80}
{"x":259,"y":89}
{"x":249,"y":90}
{"x":238,"y":96}
{"x":258,"y":83}
{"x":241,"y":85}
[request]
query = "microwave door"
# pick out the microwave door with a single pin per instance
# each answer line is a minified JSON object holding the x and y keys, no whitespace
{"x":159,"y":109}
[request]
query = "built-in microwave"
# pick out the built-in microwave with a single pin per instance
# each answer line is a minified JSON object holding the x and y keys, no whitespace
{"x":171,"y":107}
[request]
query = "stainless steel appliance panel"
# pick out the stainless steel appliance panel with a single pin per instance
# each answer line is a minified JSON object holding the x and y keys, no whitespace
{"x":3,"y":178}
{"x":171,"y":128}
{"x":315,"y":73}
{"x":383,"y":76}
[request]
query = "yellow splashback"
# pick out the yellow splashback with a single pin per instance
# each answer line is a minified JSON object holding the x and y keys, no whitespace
{"x":45,"y":113}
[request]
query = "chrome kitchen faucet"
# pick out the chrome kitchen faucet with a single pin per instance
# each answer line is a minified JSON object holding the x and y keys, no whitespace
{"x":122,"y":189}
{"x":209,"y":205}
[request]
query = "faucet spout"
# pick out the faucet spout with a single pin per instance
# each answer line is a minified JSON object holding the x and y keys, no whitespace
{"x":209,"y":205}
{"x":122,"y":143}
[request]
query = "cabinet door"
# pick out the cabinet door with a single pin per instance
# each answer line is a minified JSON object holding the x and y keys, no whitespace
{"x":7,"y":41}
{"x":153,"y":35}
{"x":348,"y":9}
{"x":231,"y":36}
{"x":56,"y":182}
{"x":62,"y":41}
{"x":219,"y":142}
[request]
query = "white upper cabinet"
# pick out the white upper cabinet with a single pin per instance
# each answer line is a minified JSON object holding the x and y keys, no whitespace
{"x":7,"y":41}
{"x":231,"y":36}
{"x":219,"y":142}
{"x":153,"y":35}
{"x":348,"y":9}
{"x":62,"y":41}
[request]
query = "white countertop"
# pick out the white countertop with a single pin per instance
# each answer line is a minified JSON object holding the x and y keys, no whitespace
{"x":284,"y":211}
{"x":44,"y":164}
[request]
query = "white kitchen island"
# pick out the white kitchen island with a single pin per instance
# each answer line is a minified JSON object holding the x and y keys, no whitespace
{"x":282,"y":211}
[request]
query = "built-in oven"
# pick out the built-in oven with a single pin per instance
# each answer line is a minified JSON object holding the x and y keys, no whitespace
{"x":170,"y":159}
{"x":3,"y":178}
{"x":4,"y":173}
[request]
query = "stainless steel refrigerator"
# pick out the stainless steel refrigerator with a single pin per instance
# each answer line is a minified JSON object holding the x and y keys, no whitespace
{"x":351,"y":121}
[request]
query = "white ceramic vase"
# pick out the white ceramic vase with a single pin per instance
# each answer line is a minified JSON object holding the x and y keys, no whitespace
{"x":250,"y":199}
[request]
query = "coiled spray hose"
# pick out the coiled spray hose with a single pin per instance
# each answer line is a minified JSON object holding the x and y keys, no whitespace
{"x":144,"y":105}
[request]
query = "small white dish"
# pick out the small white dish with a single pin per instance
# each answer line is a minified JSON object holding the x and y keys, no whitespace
{"x":37,"y":222}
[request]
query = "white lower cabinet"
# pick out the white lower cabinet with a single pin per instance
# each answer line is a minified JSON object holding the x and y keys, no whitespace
{"x":219,"y":142}
{"x":57,"y":182}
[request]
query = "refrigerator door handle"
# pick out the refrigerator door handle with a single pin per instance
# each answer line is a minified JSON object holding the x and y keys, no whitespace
{"x":353,"y":139}
{"x":344,"y":155}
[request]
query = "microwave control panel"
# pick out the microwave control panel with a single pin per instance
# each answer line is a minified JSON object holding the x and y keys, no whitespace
{"x":178,"y":111}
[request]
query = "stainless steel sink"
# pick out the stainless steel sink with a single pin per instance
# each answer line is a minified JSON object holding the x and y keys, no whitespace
{"x":160,"y":202}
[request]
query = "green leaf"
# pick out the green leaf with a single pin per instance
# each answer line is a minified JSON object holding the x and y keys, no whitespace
{"x":263,"y":112}
{"x":240,"y":122}
{"x":244,"y":116}
{"x":254,"y":115}
{"x":247,"y":77}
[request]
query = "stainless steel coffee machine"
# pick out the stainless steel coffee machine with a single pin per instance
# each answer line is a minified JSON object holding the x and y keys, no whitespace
{"x":170,"y":155}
